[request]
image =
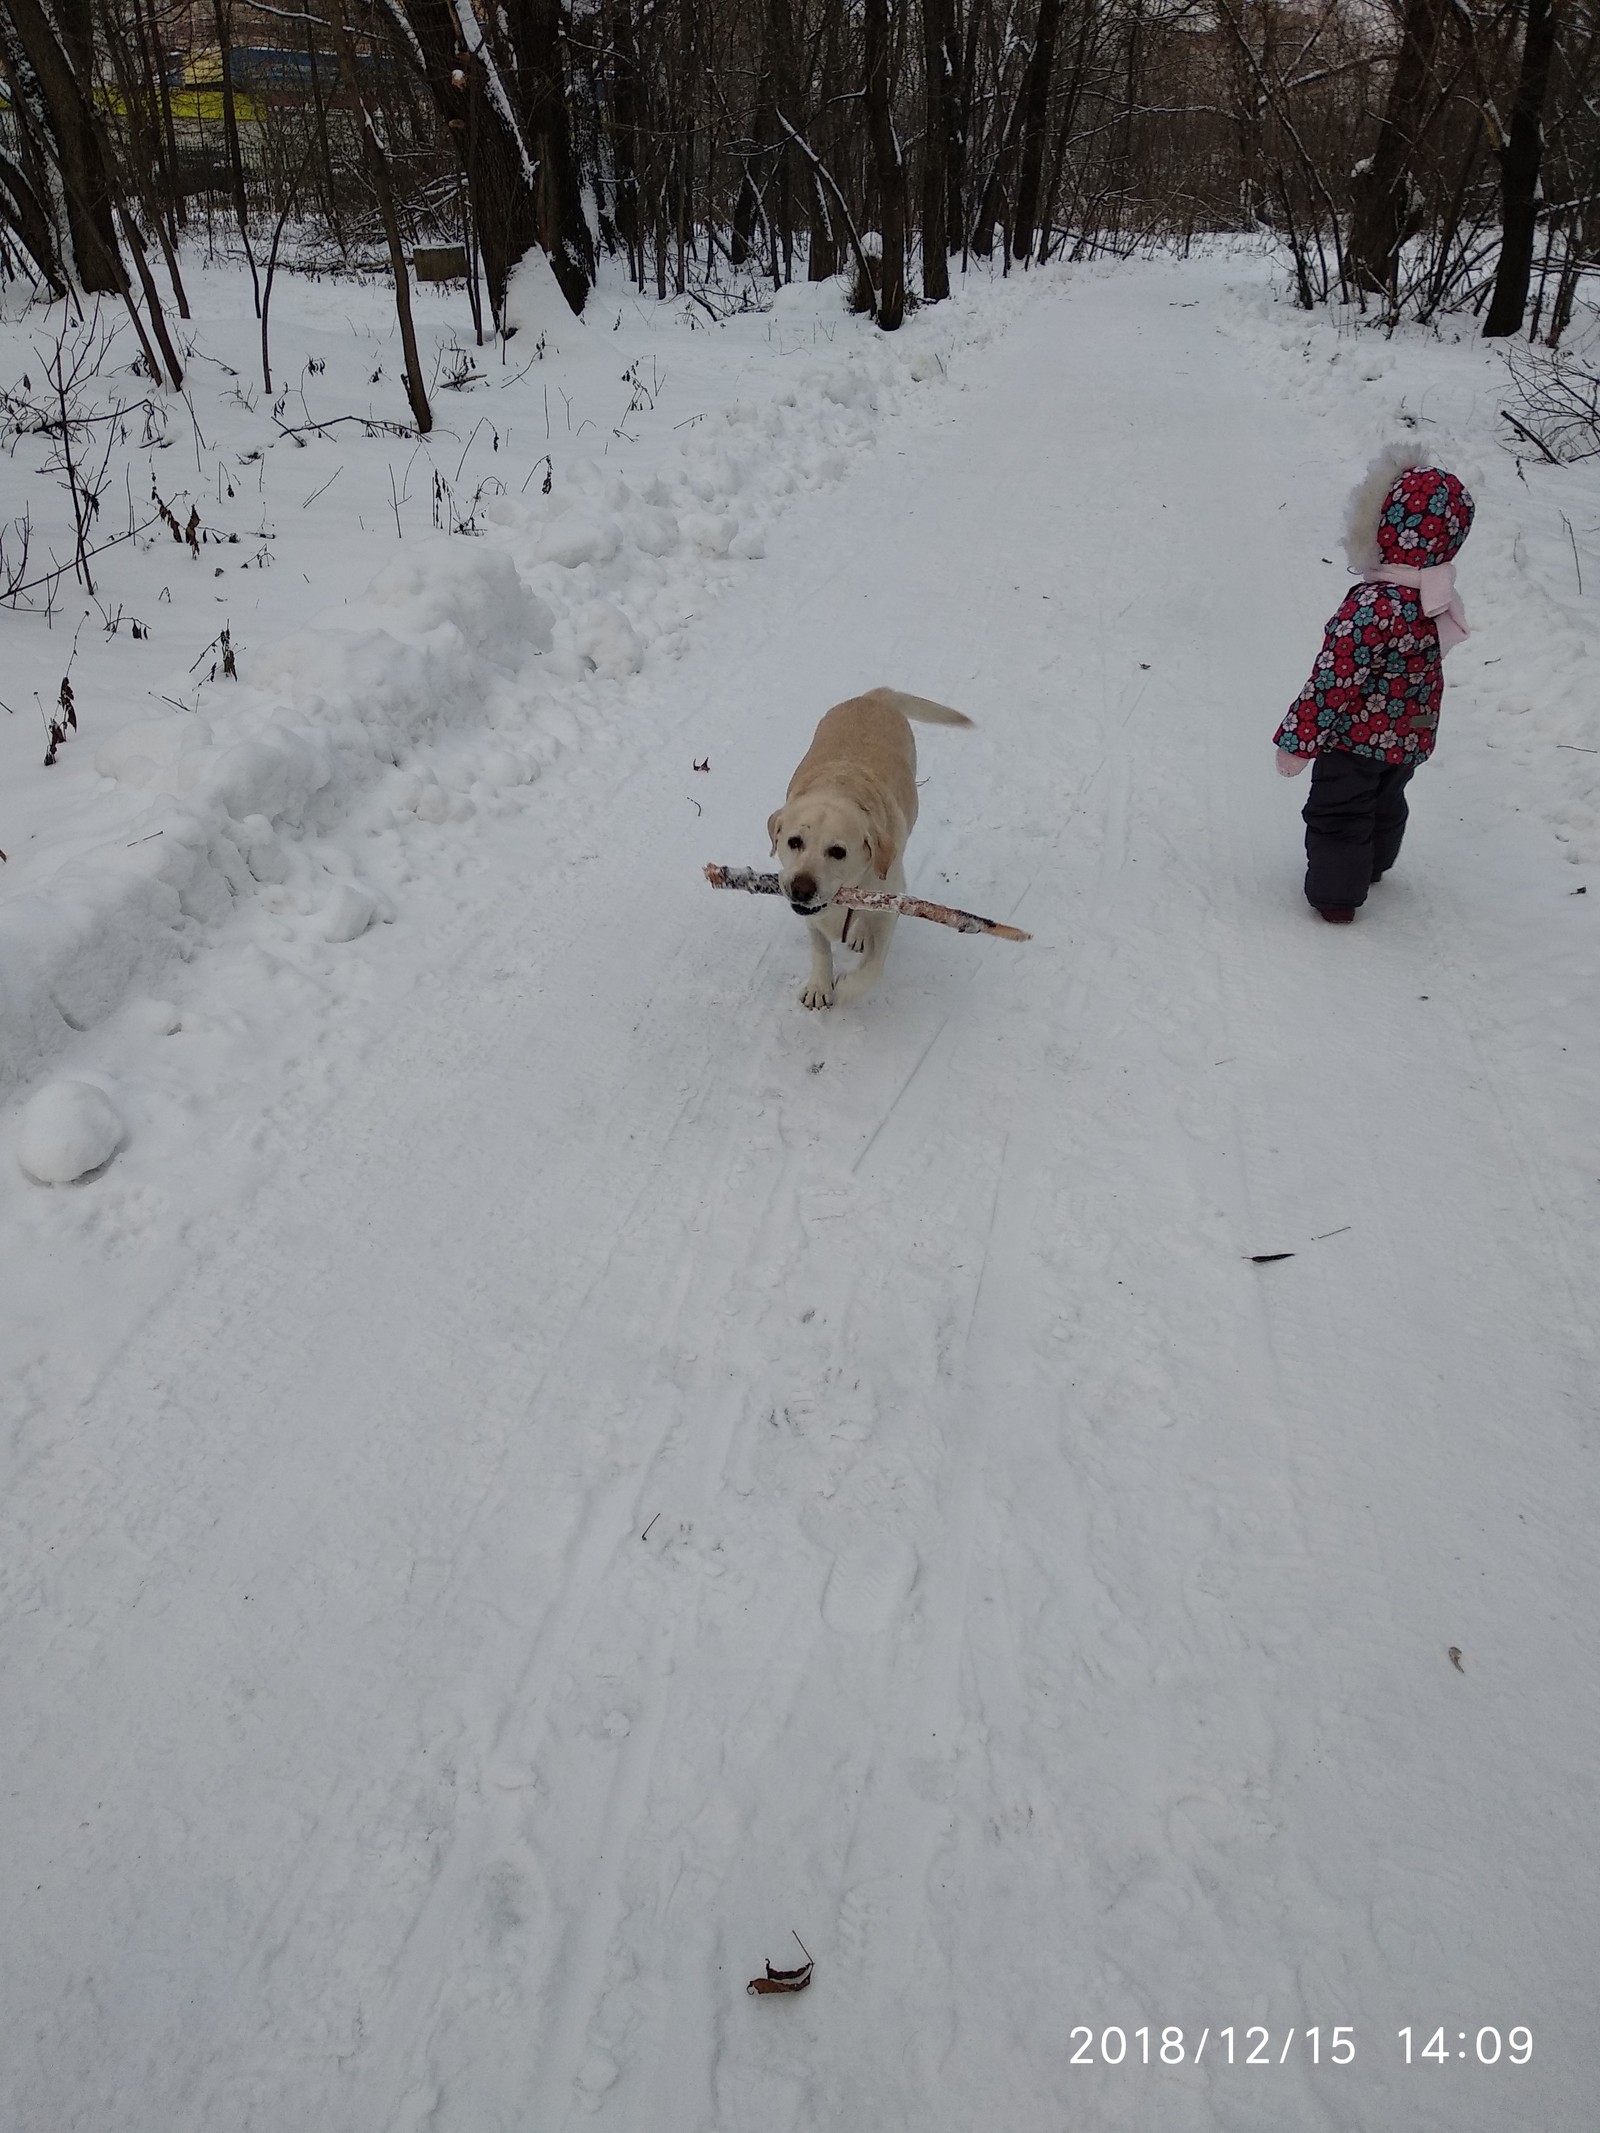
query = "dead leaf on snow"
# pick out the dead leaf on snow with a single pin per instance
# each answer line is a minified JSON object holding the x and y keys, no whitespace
{"x":785,"y":1980}
{"x":781,"y":1980}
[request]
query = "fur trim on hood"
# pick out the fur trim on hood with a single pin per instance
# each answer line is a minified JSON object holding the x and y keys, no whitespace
{"x":1365,"y":506}
{"x":1406,"y":509}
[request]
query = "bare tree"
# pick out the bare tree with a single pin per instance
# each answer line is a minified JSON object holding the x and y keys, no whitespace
{"x":1387,"y":198}
{"x":889,"y":164}
{"x":1519,"y":173}
{"x":936,"y":87}
{"x":52,"y":69}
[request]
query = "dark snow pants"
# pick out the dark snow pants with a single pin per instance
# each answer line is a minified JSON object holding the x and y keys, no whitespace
{"x":1355,"y":819}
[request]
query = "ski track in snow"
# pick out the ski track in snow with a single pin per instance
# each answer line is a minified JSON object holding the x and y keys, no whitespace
{"x":628,"y":1471}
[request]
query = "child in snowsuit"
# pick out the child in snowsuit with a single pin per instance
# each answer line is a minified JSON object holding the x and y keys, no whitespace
{"x":1369,"y":714}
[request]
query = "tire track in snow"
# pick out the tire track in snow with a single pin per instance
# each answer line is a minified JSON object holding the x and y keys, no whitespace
{"x":603,"y":1548}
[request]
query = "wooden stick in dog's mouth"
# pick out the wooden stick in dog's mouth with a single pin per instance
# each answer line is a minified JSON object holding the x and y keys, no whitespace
{"x":870,"y":900}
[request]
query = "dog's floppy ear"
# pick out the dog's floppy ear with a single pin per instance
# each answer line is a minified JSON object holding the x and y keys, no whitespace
{"x":774,"y":824}
{"x":880,"y":849}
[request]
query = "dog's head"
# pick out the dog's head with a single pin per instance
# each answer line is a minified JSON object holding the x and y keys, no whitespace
{"x":826,"y":841}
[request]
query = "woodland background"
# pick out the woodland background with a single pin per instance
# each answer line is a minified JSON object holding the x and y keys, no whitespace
{"x":1421,"y":156}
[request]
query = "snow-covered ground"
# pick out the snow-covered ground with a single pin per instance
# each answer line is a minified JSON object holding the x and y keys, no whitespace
{"x":539,"y":1472}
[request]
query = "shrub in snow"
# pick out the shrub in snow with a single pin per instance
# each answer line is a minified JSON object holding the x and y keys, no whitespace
{"x":68,"y":1129}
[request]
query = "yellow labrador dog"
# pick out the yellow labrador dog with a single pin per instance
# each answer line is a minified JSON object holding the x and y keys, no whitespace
{"x":844,"y":825}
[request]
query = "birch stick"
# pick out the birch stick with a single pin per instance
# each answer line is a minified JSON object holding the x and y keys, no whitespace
{"x":870,"y":900}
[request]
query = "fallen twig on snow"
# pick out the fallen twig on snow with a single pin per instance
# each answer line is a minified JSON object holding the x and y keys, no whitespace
{"x":374,"y":425}
{"x":1528,"y":437}
{"x":870,"y":900}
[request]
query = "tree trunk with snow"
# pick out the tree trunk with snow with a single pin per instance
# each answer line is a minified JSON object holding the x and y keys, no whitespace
{"x":542,"y":98}
{"x":468,"y":89}
{"x":57,"y":51}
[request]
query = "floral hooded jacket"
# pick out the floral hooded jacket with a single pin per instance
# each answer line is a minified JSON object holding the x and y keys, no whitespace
{"x":1376,"y":688}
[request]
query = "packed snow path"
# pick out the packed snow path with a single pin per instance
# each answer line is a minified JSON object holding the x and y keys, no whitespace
{"x":648,"y":1472}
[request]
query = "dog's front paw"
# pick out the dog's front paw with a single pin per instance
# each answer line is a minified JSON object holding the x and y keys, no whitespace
{"x":814,"y":995}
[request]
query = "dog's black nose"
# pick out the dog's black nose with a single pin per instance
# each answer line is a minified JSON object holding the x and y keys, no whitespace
{"x":802,"y":890}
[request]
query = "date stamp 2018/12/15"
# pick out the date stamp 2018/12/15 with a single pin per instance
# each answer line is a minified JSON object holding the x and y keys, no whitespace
{"x":1231,"y":2045}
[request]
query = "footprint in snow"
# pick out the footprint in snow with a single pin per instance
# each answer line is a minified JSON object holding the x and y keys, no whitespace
{"x":868,"y":1584}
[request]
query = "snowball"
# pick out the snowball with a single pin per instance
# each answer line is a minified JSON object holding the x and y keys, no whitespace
{"x":653,"y":531}
{"x":708,"y":531}
{"x":848,"y":388}
{"x":576,"y":538}
{"x":505,"y":766}
{"x":154,"y":1018}
{"x":607,"y":639}
{"x":505,"y":511}
{"x":347,"y":914}
{"x":68,"y":1129}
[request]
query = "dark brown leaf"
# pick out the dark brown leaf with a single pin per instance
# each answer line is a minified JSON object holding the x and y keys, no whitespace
{"x":781,"y":1980}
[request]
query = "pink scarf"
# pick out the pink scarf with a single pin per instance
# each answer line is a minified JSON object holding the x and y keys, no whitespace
{"x":1440,"y":600}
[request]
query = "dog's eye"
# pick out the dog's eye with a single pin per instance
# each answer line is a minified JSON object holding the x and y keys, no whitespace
{"x":835,"y":851}
{"x":797,"y":844}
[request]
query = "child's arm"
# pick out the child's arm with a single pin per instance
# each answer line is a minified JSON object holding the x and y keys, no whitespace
{"x":1290,"y":765}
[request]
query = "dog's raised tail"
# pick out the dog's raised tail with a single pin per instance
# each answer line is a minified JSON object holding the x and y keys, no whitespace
{"x":923,"y":709}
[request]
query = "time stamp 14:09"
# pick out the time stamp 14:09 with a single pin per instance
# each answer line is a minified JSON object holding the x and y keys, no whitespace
{"x":1261,"y":2046}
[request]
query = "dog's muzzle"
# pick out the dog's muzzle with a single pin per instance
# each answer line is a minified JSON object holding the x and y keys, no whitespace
{"x":803,"y":896}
